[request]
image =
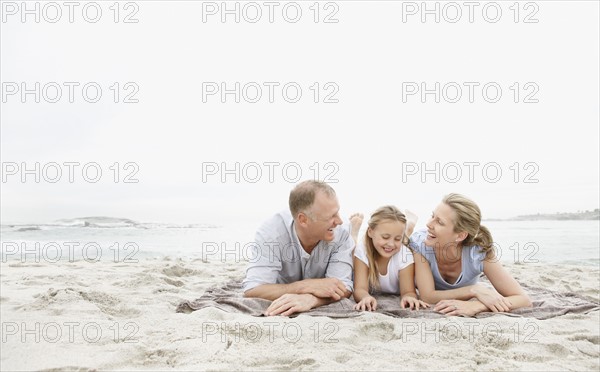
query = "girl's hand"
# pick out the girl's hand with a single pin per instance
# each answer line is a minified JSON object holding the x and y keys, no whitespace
{"x":491,"y":299}
{"x":367,"y":303}
{"x":412,"y":303}
{"x":457,"y":307}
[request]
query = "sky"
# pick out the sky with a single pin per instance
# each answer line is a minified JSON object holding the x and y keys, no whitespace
{"x":138,"y":114}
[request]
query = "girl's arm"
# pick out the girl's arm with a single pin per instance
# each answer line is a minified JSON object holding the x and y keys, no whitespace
{"x":408,"y":295}
{"x":364,"y":301}
{"x":361,"y":280}
{"x":407,"y":282}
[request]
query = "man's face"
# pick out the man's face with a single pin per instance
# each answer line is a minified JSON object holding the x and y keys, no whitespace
{"x":324,"y":217}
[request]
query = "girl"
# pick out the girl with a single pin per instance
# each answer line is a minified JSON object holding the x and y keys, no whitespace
{"x":451,"y":255}
{"x":383,"y":263}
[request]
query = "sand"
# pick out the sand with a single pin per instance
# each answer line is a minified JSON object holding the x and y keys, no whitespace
{"x":121,"y":316}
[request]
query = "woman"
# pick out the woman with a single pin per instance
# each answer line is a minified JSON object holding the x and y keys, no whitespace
{"x":451,"y":254}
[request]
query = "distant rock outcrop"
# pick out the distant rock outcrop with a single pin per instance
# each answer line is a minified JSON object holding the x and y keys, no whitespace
{"x":587,"y":215}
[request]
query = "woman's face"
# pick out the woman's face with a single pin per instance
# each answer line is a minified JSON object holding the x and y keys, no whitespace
{"x":440,"y":227}
{"x":387,"y":237}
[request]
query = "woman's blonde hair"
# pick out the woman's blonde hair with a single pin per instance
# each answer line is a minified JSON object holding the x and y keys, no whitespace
{"x":383,"y":214}
{"x":468,"y":219}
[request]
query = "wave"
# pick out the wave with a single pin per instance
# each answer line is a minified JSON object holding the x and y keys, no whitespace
{"x":29,"y":228}
{"x":101,"y":222}
{"x":104,"y":222}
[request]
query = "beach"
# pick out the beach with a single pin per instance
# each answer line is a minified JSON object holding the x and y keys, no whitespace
{"x":110,"y":315}
{"x":144,"y":144}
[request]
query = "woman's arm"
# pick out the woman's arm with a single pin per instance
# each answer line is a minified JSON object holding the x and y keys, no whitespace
{"x":508,"y":294}
{"x":426,"y":285}
{"x":505,"y":284}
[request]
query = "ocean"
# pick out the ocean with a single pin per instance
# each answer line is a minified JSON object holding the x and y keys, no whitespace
{"x":124,"y":240}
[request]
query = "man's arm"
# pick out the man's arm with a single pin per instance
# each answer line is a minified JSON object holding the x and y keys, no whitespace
{"x":340,"y":262}
{"x":326,"y":288}
{"x":265,"y":268}
{"x":271,"y":291}
{"x":289,"y":304}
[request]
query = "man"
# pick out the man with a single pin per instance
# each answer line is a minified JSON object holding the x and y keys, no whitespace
{"x":302,"y":259}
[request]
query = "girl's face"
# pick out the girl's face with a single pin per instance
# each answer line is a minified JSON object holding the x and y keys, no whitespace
{"x":440,"y":227}
{"x":387,"y":237}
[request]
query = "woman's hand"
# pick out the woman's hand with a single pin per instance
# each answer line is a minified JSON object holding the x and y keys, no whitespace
{"x":412,"y":303}
{"x":457,"y":307}
{"x":367,"y":303}
{"x":491,"y":299}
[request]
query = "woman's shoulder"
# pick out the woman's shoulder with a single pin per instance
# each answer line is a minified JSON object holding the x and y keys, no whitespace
{"x":476,"y":257}
{"x":476,"y":253}
{"x":417,"y":241}
{"x":403,"y":258}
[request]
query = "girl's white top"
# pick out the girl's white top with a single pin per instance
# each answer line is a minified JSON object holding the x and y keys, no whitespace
{"x":389,"y":283}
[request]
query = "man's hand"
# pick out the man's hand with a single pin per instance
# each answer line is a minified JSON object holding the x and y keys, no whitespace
{"x":325,"y":288}
{"x":289,"y":304}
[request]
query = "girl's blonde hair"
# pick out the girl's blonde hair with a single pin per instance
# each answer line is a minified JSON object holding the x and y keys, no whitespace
{"x":383,"y":214}
{"x":468,"y":219}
